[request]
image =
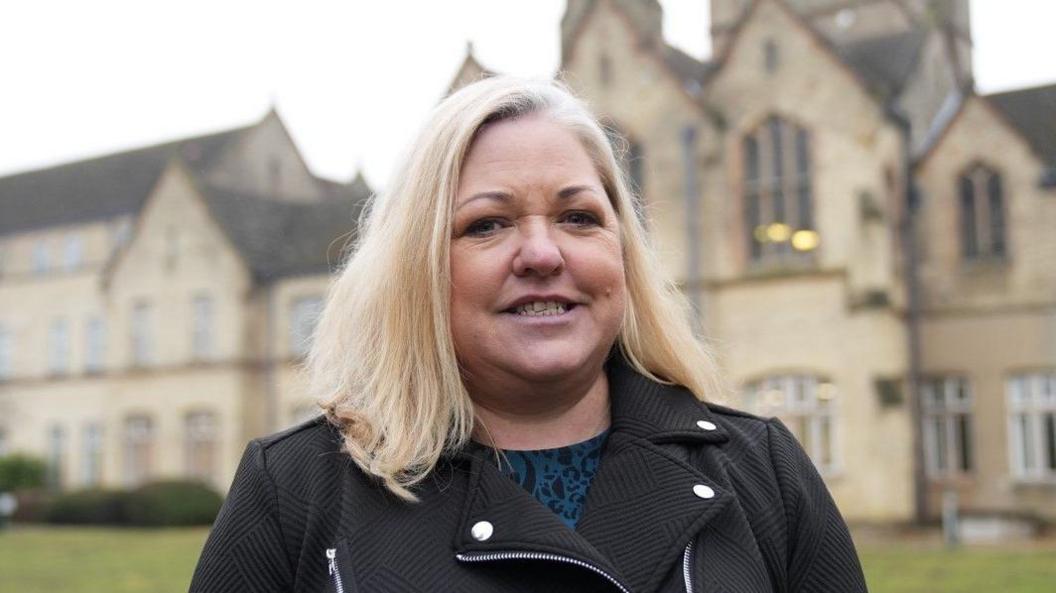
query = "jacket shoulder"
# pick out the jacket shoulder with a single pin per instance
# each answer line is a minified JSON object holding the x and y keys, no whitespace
{"x":303,"y":456}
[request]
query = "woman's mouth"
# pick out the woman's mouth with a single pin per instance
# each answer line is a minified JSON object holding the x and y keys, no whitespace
{"x":541,"y":308}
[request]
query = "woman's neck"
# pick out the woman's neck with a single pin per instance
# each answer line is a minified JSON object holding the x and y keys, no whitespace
{"x":543,"y":418}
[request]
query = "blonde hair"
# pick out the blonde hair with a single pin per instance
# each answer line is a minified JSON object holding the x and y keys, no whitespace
{"x":383,"y":361}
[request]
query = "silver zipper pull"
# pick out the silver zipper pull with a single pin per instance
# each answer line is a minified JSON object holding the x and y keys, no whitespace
{"x":331,"y":555}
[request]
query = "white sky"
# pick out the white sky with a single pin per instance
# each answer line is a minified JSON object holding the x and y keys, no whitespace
{"x":352,"y":79}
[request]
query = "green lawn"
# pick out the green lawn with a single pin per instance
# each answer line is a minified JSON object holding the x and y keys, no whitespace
{"x":34,"y":559}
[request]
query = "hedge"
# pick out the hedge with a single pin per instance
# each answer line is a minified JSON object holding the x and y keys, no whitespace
{"x":21,"y":472}
{"x":158,"y":504}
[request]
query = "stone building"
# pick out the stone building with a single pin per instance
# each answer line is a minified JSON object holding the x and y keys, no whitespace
{"x":154,"y":303}
{"x":864,"y":237}
{"x":867,"y":240}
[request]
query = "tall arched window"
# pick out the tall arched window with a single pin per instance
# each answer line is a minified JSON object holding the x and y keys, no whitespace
{"x":806,"y":404}
{"x":982,"y":213}
{"x":778,"y":195}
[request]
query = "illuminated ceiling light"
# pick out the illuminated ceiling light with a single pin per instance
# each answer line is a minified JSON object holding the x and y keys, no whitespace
{"x":760,"y":234}
{"x":778,"y":232}
{"x":805,"y":240}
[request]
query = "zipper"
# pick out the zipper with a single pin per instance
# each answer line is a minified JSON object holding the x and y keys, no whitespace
{"x":687,"y":567}
{"x":331,"y":556}
{"x":541,"y":556}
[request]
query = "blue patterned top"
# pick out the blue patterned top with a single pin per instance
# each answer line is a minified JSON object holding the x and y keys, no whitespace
{"x":558,"y":478}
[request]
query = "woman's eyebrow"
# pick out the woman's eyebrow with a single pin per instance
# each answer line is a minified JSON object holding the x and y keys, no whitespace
{"x":486,"y":195}
{"x":572,"y":190}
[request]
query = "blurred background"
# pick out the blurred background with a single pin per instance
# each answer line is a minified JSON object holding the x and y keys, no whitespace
{"x":857,"y":196}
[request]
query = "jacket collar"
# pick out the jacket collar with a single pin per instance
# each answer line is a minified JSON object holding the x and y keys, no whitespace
{"x":644,"y":505}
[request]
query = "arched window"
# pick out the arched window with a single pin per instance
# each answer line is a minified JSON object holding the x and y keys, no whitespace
{"x":982,"y":213}
{"x":200,"y":439}
{"x":139,"y":449}
{"x":778,"y":195}
{"x":806,"y":404}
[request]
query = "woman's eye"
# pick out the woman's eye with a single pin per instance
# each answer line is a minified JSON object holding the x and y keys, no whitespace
{"x":484,"y":226}
{"x":582,"y":219}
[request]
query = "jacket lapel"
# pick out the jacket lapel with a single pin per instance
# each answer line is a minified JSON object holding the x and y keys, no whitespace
{"x":647,"y":502}
{"x":644,"y":506}
{"x":517,"y":523}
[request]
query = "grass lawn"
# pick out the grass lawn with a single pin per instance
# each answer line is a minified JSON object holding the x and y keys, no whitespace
{"x":38,"y":560}
{"x":35,"y":559}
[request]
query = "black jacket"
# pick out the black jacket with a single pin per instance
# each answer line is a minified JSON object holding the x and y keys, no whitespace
{"x":685,"y":492}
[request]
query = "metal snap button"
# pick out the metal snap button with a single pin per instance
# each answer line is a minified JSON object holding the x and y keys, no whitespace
{"x":482,"y":530}
{"x":703,"y":491}
{"x":706,"y":425}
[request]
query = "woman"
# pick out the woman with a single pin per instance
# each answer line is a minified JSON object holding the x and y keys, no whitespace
{"x":502,"y":317}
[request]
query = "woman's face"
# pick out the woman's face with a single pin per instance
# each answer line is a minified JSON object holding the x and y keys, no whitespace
{"x":537,"y":272}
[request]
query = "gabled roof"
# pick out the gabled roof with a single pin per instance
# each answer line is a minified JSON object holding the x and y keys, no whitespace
{"x":282,"y":238}
{"x":692,"y":72}
{"x":1033,"y":113}
{"x":102,"y":187}
{"x":887,"y":62}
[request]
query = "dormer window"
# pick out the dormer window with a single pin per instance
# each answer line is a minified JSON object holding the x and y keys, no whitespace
{"x":982,"y":214}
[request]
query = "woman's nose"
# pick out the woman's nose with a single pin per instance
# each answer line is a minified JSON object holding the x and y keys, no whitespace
{"x":538,"y":254}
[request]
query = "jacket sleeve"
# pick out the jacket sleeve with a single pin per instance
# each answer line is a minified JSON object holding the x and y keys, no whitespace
{"x":244,"y":551}
{"x":821,"y":555}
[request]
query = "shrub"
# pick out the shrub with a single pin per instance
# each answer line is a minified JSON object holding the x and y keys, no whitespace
{"x":172,"y":503}
{"x":21,"y":472}
{"x":88,"y":507}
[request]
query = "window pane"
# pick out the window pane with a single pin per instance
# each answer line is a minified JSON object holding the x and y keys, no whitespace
{"x":964,"y":442}
{"x":1026,"y":448}
{"x":94,"y":344}
{"x":969,"y":241}
{"x":202,"y":338}
{"x":303,"y":315}
{"x":825,"y":441}
{"x":142,"y":343}
{"x":997,"y":215}
{"x":940,"y":445}
{"x":806,"y":214}
{"x":1050,"y":441}
{"x":6,"y":351}
{"x":777,"y":157}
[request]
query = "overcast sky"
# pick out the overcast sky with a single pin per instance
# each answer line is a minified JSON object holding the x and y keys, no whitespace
{"x":352,"y":79}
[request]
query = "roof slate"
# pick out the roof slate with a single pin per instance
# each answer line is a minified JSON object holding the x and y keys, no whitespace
{"x":885,"y":63}
{"x":278,"y":239}
{"x":1033,"y":112}
{"x":99,"y":188}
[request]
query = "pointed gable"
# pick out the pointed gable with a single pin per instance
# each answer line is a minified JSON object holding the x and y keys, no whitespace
{"x":469,"y":72}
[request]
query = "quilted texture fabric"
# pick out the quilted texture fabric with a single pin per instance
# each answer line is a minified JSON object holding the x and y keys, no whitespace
{"x":738,"y":508}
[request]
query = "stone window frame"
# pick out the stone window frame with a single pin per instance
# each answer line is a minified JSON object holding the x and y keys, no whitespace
{"x":1031,"y":400}
{"x":777,"y":194}
{"x":808,"y":404}
{"x":982,"y":213}
{"x":946,"y":403}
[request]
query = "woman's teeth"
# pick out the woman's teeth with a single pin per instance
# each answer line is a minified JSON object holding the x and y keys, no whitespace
{"x":540,"y":308}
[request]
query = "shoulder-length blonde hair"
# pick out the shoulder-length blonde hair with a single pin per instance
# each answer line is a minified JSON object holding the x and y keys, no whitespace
{"x":383,"y":361}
